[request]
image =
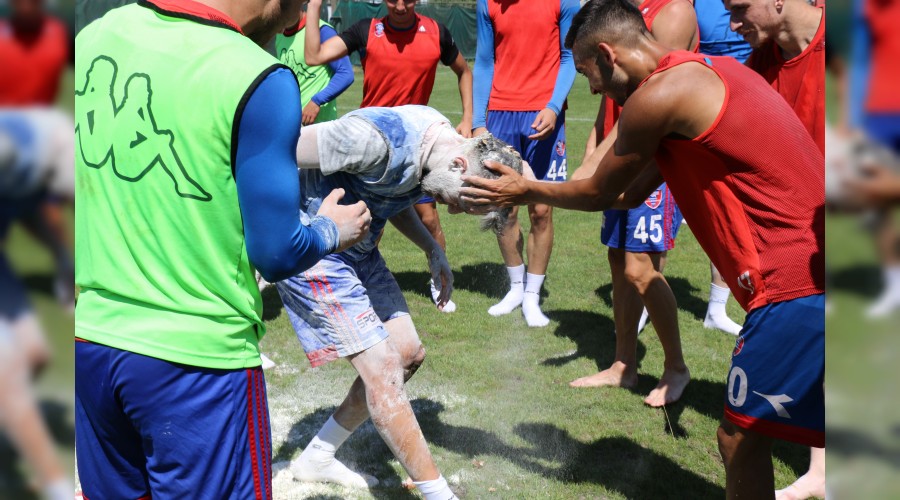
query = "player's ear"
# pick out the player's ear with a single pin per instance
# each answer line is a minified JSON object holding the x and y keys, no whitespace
{"x":606,"y":54}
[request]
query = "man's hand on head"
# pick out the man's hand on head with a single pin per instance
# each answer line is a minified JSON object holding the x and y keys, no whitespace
{"x":479,"y":131}
{"x":352,"y":221}
{"x":506,"y":191}
{"x":543,"y":125}
{"x":465,"y":128}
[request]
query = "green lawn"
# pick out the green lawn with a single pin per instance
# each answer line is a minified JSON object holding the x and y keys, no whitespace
{"x":493,"y":398}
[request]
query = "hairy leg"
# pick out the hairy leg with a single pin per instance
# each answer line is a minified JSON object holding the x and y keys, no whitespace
{"x":748,"y":462}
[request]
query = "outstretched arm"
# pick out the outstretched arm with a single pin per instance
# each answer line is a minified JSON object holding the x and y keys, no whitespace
{"x":464,"y":76}
{"x":410,"y":225}
{"x":315,"y":52}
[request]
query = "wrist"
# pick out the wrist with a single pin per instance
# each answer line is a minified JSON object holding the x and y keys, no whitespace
{"x":327,"y":231}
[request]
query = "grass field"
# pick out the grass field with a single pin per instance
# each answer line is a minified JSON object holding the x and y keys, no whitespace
{"x":493,"y":398}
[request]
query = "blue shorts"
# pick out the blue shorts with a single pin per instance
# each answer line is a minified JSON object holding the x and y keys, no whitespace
{"x":649,"y":228}
{"x":776,"y":382}
{"x":146,"y":428}
{"x":425,"y":199}
{"x":338,"y":307}
{"x":884,"y":128}
{"x":547,"y":157}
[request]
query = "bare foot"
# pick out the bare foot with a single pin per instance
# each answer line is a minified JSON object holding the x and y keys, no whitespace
{"x":806,"y":486}
{"x":617,"y":375}
{"x":669,"y":389}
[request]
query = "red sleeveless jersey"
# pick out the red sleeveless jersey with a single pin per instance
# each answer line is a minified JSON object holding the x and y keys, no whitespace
{"x":883,"y":17}
{"x":800,"y":80}
{"x":751,"y":188}
{"x":399,"y":66}
{"x":32,"y":64}
{"x":649,"y":9}
{"x":526,"y":53}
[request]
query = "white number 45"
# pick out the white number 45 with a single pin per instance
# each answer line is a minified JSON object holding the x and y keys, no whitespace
{"x":656,"y":230}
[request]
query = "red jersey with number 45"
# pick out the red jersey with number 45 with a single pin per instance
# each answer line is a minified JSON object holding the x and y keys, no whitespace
{"x":751,"y":188}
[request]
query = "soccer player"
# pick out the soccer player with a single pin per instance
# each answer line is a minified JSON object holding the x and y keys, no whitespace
{"x":524,"y":73}
{"x":349,"y":305}
{"x":179,"y":198}
{"x":399,"y":55}
{"x":35,"y":49}
{"x":639,"y":238}
{"x":756,"y":208}
{"x":36,"y":161}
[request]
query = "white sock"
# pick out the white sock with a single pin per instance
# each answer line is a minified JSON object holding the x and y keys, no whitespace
{"x":716,"y":315}
{"x":642,"y":323}
{"x":317,"y":462}
{"x":436,"y":489}
{"x":892,"y":279}
{"x":267,"y":364}
{"x":449,"y":307}
{"x":61,"y":489}
{"x":513,"y":298}
{"x":531,"y":306}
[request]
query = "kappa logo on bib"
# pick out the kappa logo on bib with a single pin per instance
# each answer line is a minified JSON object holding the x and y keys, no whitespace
{"x":106,"y":128}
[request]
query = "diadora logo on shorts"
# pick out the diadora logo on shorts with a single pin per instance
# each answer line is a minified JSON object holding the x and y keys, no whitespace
{"x":738,"y":346}
{"x":654,"y":199}
{"x":560,"y":148}
{"x":106,"y":131}
{"x":746,"y":282}
{"x":379,"y":30}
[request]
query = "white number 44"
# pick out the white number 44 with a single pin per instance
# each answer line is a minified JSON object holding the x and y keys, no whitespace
{"x":559,"y":173}
{"x":656,"y":231}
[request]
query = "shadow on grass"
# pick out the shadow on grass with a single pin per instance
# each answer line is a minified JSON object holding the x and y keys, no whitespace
{"x":685,"y":296}
{"x":272,"y":305}
{"x":616,"y":463}
{"x":485,"y":278}
{"x":851,"y":443}
{"x":364,"y":451}
{"x":862,"y":280}
{"x":40,"y":283}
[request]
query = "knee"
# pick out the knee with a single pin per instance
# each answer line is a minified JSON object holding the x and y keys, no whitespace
{"x":640,"y":277}
{"x":541,"y":217}
{"x":413,"y":362}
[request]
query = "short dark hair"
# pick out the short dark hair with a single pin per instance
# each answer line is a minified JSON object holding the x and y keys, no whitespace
{"x":616,"y":20}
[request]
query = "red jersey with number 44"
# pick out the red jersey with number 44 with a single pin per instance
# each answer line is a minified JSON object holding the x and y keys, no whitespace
{"x":751,"y":187}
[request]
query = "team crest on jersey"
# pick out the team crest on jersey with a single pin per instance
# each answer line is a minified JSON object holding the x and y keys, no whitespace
{"x":646,"y":10}
{"x":746,"y":282}
{"x":738,"y":346}
{"x":560,"y":148}
{"x":379,"y":30}
{"x":654,"y":199}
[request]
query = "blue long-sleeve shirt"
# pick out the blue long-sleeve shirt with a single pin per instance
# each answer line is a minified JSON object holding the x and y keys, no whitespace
{"x":342,"y":77}
{"x":265,"y":171}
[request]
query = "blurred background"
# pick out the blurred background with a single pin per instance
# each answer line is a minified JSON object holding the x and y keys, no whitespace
{"x":37,"y":294}
{"x":863,"y":249}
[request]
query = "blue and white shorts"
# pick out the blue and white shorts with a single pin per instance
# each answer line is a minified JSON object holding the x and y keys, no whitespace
{"x":338,"y":307}
{"x":777,"y":376}
{"x":649,"y":228}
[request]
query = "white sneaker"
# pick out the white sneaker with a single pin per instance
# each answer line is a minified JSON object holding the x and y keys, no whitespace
{"x":888,"y":302}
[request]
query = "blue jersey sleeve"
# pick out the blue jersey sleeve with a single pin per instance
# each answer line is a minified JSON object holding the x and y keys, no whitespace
{"x":566,"y":76}
{"x":483,"y":77}
{"x":342,"y":77}
{"x":265,"y":171}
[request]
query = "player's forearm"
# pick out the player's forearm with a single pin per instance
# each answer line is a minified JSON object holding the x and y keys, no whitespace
{"x":410,"y":225}
{"x":465,"y":94}
{"x":573,"y":195}
{"x":313,"y":38}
